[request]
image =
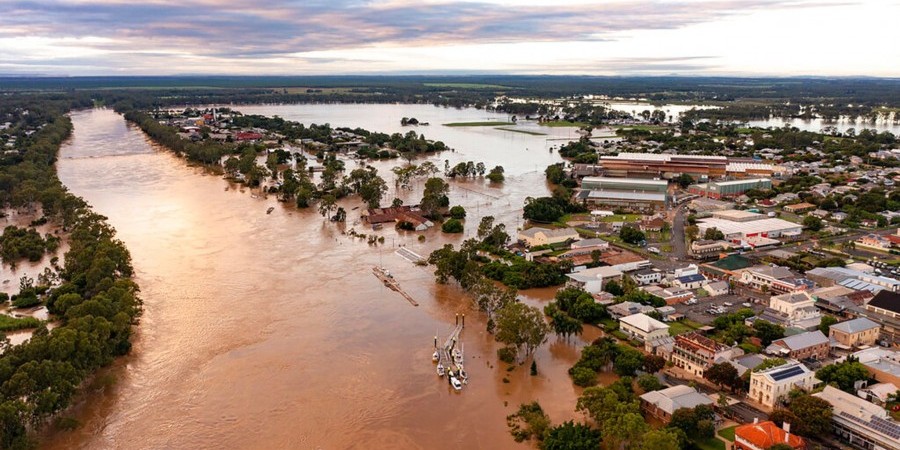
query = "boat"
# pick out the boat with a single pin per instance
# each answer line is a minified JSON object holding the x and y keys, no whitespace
{"x":457,"y":356}
{"x":456,"y":384}
{"x":440,"y":370}
{"x":269,"y":211}
{"x":435,"y":357}
{"x":463,"y":376}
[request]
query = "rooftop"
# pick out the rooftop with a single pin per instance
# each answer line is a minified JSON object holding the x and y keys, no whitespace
{"x":766,"y":225}
{"x":767,"y":434}
{"x":626,"y":195}
{"x":803,"y":340}
{"x":625,"y":180}
{"x":855,"y":325}
{"x":549,"y":232}
{"x":886,"y":300}
{"x":785,"y":373}
{"x":643,"y":322}
{"x":676,"y":397}
{"x":853,"y":410}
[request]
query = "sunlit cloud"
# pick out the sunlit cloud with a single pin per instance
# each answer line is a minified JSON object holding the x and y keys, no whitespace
{"x":365,"y":36}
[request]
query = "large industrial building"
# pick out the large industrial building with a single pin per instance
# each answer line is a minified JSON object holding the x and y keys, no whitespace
{"x":630,"y":193}
{"x":742,"y":226}
{"x":654,"y":165}
{"x":729,"y":189}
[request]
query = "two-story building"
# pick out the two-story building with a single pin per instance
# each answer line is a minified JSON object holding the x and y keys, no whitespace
{"x":536,"y":236}
{"x":694,"y":353}
{"x":661,"y":404}
{"x":855,"y":332}
{"x":774,"y":279}
{"x":808,"y":345}
{"x":594,"y":280}
{"x":884,"y":309}
{"x":772,"y":385}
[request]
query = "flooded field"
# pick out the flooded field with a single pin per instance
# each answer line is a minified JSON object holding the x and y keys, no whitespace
{"x":270,"y":331}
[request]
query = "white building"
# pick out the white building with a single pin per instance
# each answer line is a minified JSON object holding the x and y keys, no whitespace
{"x":716,"y":288}
{"x":771,"y":385}
{"x":740,"y":231}
{"x":661,"y":404}
{"x":647,"y":276}
{"x":643,"y":327}
{"x":536,"y":236}
{"x":798,"y":309}
{"x":775,"y":279}
{"x":593,"y":280}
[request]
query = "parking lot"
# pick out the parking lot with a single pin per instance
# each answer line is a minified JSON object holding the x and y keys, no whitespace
{"x":700,"y":312}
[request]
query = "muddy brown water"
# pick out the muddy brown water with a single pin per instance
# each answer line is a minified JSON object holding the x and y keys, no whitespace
{"x":270,"y":331}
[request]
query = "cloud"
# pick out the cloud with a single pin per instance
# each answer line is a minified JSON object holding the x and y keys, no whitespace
{"x":137,"y":35}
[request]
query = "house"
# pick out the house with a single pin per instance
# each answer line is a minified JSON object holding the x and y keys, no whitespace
{"x":716,"y":288}
{"x":647,"y":276}
{"x":595,"y":279}
{"x":770,"y":386}
{"x":798,"y":208}
{"x":884,"y":309}
{"x":764,"y":435}
{"x":661,"y":404}
{"x":862,"y":424}
{"x":874,"y":242}
{"x":808,"y":345}
{"x":653,"y":225}
{"x":695,"y":353}
{"x":671,"y":295}
{"x":839,"y":216}
{"x":398,"y":214}
{"x":883,"y":364}
{"x":689,"y":281}
{"x":536,"y":236}
{"x":628,"y":308}
{"x":643,"y":327}
{"x":855,"y":333}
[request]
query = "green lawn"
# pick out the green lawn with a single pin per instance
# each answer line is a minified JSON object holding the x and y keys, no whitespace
{"x":728,"y":433}
{"x":710,"y":444}
{"x":680,"y":327}
{"x":477,"y":124}
{"x":533,"y":133}
{"x":622,"y":218}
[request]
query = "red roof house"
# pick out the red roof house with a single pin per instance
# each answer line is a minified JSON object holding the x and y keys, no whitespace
{"x":762,"y":435}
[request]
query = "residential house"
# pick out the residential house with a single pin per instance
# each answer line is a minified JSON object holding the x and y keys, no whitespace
{"x":643,"y":327}
{"x":655,"y":225}
{"x":595,"y":279}
{"x":671,"y":295}
{"x":536,"y":236}
{"x":808,"y":345}
{"x":764,"y":435}
{"x":855,"y":333}
{"x":661,"y":404}
{"x":772,"y":385}
{"x":839,"y":216}
{"x":859,"y":423}
{"x":874,"y":242}
{"x":799,"y":208}
{"x":695,"y":353}
{"x":879,"y":393}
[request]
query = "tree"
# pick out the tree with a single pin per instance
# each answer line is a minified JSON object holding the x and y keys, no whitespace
{"x":485,"y":226}
{"x":452,"y":226}
{"x":458,"y":212}
{"x":654,"y":363}
{"x":768,"y":331}
{"x":628,"y":361}
{"x":521,"y":325}
{"x":812,"y":223}
{"x":530,"y":421}
{"x":496,"y":174}
{"x":813,"y":416}
{"x":327,"y":204}
{"x":543,"y":209}
{"x":649,"y":383}
{"x":661,"y":439}
{"x":631,"y":235}
{"x":571,"y":436}
{"x":614,"y":288}
{"x":844,"y":375}
{"x":691,"y":232}
{"x":693,"y":421}
{"x":825,"y":324}
{"x":713,"y":234}
{"x":434,"y":197}
{"x":723,"y":374}
{"x":684,"y":180}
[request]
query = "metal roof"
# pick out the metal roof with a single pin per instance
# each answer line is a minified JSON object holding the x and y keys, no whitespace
{"x":855,"y":325}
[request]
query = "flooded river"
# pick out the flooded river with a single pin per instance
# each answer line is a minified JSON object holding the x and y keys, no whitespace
{"x":270,"y":331}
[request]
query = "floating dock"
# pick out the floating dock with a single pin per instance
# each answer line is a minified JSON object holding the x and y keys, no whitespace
{"x":385,"y":276}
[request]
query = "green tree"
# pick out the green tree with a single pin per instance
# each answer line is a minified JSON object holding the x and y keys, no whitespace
{"x":649,"y":383}
{"x":458,"y":212}
{"x":496,"y":175}
{"x":813,"y":416}
{"x":812,"y":223}
{"x":520,"y":325}
{"x":571,"y":436}
{"x":452,"y":226}
{"x":713,"y":234}
{"x":631,"y":235}
{"x":825,"y":324}
{"x":543,"y":209}
{"x":628,"y":361}
{"x":434,"y":197}
{"x":844,"y":375}
{"x":529,"y":422}
{"x":768,"y":331}
{"x":654,"y":363}
{"x":723,"y":374}
{"x":661,"y":439}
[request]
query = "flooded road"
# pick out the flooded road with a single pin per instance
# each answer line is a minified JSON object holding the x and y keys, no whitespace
{"x":270,"y":331}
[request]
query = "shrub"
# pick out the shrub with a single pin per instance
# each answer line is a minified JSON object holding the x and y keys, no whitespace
{"x":452,"y":226}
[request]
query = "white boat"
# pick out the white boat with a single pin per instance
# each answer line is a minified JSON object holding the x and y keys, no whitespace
{"x":435,"y":357}
{"x":457,"y":356}
{"x":455,"y":383}
{"x":440,"y":370}
{"x":463,"y":376}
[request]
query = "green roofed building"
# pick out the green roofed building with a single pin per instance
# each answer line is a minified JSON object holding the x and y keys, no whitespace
{"x":726,"y":267}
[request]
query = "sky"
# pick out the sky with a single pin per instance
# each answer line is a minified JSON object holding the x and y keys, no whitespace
{"x":316,"y":37}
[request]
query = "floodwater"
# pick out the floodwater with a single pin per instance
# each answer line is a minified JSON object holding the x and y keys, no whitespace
{"x":270,"y":330}
{"x":884,"y":122}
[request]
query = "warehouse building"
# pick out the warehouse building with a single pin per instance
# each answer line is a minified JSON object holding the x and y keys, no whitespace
{"x":742,"y":226}
{"x":629,"y":193}
{"x":729,"y":189}
{"x":653,"y":165}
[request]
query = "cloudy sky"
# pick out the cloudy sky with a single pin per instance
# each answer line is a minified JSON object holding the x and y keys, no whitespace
{"x":300,"y":37}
